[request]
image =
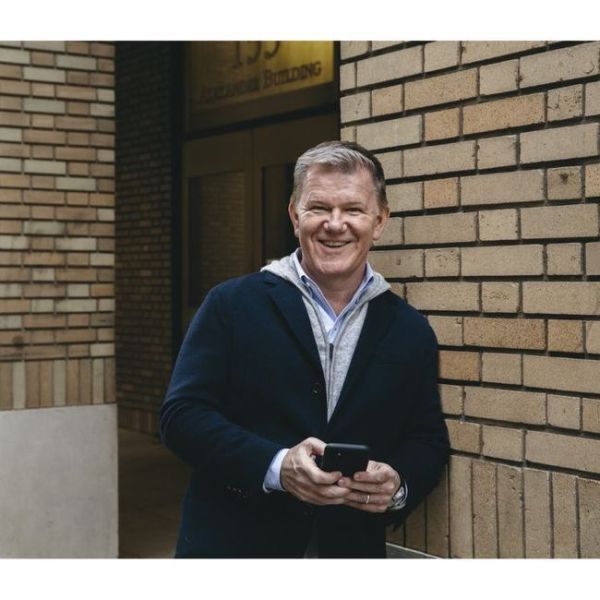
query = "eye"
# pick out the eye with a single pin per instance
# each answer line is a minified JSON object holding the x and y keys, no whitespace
{"x":355,"y":211}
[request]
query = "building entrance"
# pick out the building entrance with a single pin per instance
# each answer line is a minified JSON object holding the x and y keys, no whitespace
{"x":235,"y":195}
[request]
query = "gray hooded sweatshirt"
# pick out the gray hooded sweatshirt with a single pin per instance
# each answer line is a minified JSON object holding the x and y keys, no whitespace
{"x":335,"y":356}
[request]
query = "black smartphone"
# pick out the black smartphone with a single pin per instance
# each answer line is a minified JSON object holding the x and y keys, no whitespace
{"x":347,"y":458}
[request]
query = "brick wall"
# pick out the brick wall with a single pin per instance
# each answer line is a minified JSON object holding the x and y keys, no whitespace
{"x":147,"y":150}
{"x":491,"y":150}
{"x":56,"y":224}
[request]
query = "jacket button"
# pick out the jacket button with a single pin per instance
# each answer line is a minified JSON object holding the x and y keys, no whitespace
{"x":317,"y":388}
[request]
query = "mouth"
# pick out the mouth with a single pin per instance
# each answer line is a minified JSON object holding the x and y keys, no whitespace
{"x":333,"y":244}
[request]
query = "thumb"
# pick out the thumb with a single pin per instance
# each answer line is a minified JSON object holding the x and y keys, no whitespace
{"x":315,"y":446}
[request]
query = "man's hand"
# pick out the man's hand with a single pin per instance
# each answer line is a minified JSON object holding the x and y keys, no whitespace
{"x":301,"y":477}
{"x":371,"y":490}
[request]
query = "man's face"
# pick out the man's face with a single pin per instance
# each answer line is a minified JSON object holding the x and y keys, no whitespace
{"x":336,"y":220}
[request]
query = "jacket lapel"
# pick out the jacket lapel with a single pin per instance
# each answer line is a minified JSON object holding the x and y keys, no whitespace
{"x":377,"y":323}
{"x":288,"y":301}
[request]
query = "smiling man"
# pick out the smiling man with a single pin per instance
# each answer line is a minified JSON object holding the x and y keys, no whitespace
{"x":314,"y":349}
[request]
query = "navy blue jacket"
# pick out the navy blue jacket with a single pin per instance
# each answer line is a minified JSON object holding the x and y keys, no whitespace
{"x":248,"y":382}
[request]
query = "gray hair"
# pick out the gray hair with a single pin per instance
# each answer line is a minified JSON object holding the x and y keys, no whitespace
{"x":346,"y":157}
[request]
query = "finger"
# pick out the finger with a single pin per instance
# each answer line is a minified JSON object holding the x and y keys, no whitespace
{"x":369,"y":488}
{"x":314,"y":446}
{"x":377,"y":499}
{"x":370,"y":508}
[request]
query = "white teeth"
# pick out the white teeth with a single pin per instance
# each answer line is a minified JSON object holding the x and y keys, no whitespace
{"x":334,"y":244}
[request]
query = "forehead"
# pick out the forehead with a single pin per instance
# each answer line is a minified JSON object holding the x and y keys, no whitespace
{"x":332,"y":181}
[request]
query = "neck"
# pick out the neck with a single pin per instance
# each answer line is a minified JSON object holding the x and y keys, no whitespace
{"x":338,"y":292}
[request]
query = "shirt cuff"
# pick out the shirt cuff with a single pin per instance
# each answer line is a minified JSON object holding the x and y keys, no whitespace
{"x":272,"y":481}
{"x":400,"y":497}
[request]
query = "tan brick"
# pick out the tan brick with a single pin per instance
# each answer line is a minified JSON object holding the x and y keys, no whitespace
{"x":564,"y":183}
{"x":505,"y":405}
{"x":564,"y":64}
{"x":383,"y":134}
{"x":6,"y":371}
{"x":97,"y":381}
{"x":442,"y":262}
{"x":393,"y":65}
{"x":32,"y":388}
{"x":50,"y":167}
{"x":348,"y":134}
{"x":589,"y":517}
{"x":592,"y":337}
{"x":355,"y":107}
{"x":76,"y":183}
{"x":75,"y":93}
{"x":442,"y":124}
{"x":398,"y":263}
{"x":510,"y":512}
{"x":39,"y":136}
{"x":564,"y":515}
{"x":567,"y":451}
{"x":42,"y":74}
{"x":15,"y":88}
{"x":14,"y":150}
{"x":503,"y":260}
{"x":463,"y":366}
{"x":405,"y":197}
{"x":538,"y":534}
{"x":578,"y":220}
{"x":13,"y":119}
{"x":505,"y":333}
{"x":497,"y":152}
{"x":452,"y":398}
{"x":592,"y":258}
{"x":440,"y":229}
{"x":381,"y":44}
{"x":504,"y":114}
{"x":440,"y":193}
{"x":50,"y":46}
{"x":46,"y":385}
{"x":451,"y":296}
{"x":76,"y":62}
{"x":15,"y":56}
{"x":485,"y":524}
{"x":502,"y":442}
{"x":76,"y":123}
{"x":590,"y":414}
{"x":43,"y":106}
{"x":560,"y":143}
{"x":464,"y":437}
{"x":10,"y":103}
{"x":565,"y":335}
{"x":437,"y":522}
{"x":565,"y":103}
{"x":461,"y":517}
{"x":43,"y":228}
{"x":501,"y":368}
{"x":19,"y":385}
{"x":561,"y":298}
{"x":503,"y":188}
{"x":564,"y":411}
{"x":391,"y":163}
{"x":498,"y":225}
{"x":567,"y":374}
{"x":592,"y":98}
{"x":448,"y":330}
{"x":478,"y":51}
{"x":564,"y":259}
{"x":387,"y":100}
{"x":11,"y":164}
{"x":43,"y":90}
{"x":441,"y":55}
{"x":351,"y":49}
{"x":392,"y":234}
{"x":14,"y":71}
{"x":9,"y":134}
{"x":45,"y":197}
{"x":441,"y":89}
{"x":499,"y":77}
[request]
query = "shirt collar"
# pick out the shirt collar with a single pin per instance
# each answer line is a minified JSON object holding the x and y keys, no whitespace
{"x":315,"y":290}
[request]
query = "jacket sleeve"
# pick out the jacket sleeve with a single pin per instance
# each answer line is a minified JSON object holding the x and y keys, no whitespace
{"x":421,"y":458}
{"x":193,"y":424}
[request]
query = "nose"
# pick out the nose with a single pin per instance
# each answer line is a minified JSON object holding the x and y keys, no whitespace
{"x":335,"y":222}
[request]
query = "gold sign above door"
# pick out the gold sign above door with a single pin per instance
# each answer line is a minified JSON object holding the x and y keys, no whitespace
{"x":226,"y":73}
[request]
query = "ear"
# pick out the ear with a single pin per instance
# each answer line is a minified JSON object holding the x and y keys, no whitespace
{"x":380,"y":222}
{"x":294,"y":217}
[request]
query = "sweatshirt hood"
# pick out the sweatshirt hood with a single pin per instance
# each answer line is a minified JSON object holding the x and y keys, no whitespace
{"x":286,"y":269}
